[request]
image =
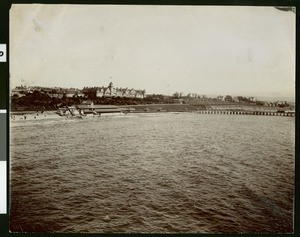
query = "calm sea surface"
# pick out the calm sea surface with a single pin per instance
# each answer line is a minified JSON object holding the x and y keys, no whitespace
{"x":153,"y":173}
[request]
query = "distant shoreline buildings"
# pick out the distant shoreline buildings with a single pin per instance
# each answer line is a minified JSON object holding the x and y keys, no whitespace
{"x":58,"y":92}
{"x":114,"y":92}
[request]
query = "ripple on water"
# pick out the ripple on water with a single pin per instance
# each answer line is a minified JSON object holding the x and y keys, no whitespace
{"x":155,"y":173}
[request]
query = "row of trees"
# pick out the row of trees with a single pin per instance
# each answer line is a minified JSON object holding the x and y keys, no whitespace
{"x":41,"y":100}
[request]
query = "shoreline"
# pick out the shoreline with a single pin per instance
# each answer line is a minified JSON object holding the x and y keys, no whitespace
{"x":33,"y":116}
{"x":177,"y":108}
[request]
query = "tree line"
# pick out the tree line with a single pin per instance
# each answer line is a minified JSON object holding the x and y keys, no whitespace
{"x":38,"y":100}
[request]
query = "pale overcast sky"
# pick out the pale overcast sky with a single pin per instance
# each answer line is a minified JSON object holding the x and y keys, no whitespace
{"x":162,"y":49}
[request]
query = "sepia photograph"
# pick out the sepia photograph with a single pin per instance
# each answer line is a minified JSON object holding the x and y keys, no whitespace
{"x":151,"y":119}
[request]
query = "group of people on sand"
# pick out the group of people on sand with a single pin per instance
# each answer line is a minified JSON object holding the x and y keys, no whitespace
{"x":13,"y":117}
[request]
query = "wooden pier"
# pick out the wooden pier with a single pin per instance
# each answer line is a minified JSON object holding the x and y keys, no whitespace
{"x":232,"y":112}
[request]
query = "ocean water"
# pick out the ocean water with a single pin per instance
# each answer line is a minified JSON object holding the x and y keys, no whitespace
{"x":153,"y":173}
